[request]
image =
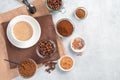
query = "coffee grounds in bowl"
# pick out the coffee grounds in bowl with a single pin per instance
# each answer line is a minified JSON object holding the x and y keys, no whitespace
{"x":27,"y":68}
{"x":80,"y":13}
{"x":65,"y":28}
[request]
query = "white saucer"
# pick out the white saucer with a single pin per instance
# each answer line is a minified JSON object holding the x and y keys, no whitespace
{"x":36,"y":31}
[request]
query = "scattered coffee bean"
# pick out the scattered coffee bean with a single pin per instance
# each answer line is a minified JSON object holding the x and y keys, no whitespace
{"x":50,"y":65}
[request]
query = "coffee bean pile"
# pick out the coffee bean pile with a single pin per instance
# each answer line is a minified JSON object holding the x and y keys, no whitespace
{"x":46,"y":48}
{"x":54,"y":4}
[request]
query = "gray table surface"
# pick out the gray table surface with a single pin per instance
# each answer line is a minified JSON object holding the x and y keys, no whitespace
{"x":100,"y":31}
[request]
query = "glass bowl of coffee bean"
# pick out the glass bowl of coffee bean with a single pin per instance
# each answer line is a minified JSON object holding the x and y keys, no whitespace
{"x":54,"y":5}
{"x":45,"y":48}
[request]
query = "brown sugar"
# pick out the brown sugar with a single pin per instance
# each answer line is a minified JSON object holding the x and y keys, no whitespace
{"x":78,"y":43}
{"x":66,"y":63}
{"x":65,"y":28}
{"x":80,"y":13}
{"x":27,"y":68}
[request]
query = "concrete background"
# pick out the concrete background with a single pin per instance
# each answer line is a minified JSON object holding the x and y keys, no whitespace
{"x":101,"y":32}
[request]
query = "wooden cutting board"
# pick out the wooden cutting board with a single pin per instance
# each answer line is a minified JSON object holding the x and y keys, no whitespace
{"x":5,"y":72}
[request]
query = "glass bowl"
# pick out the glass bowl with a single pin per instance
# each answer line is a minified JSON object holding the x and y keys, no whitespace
{"x":47,"y":56}
{"x":50,"y":9}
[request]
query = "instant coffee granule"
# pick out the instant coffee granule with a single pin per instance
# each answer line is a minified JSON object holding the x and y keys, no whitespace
{"x":65,"y":28}
{"x":80,"y":13}
{"x":27,"y":68}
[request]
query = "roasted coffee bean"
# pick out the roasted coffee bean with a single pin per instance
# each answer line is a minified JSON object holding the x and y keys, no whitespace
{"x":50,"y":66}
{"x":46,"y":48}
{"x":54,"y":4}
